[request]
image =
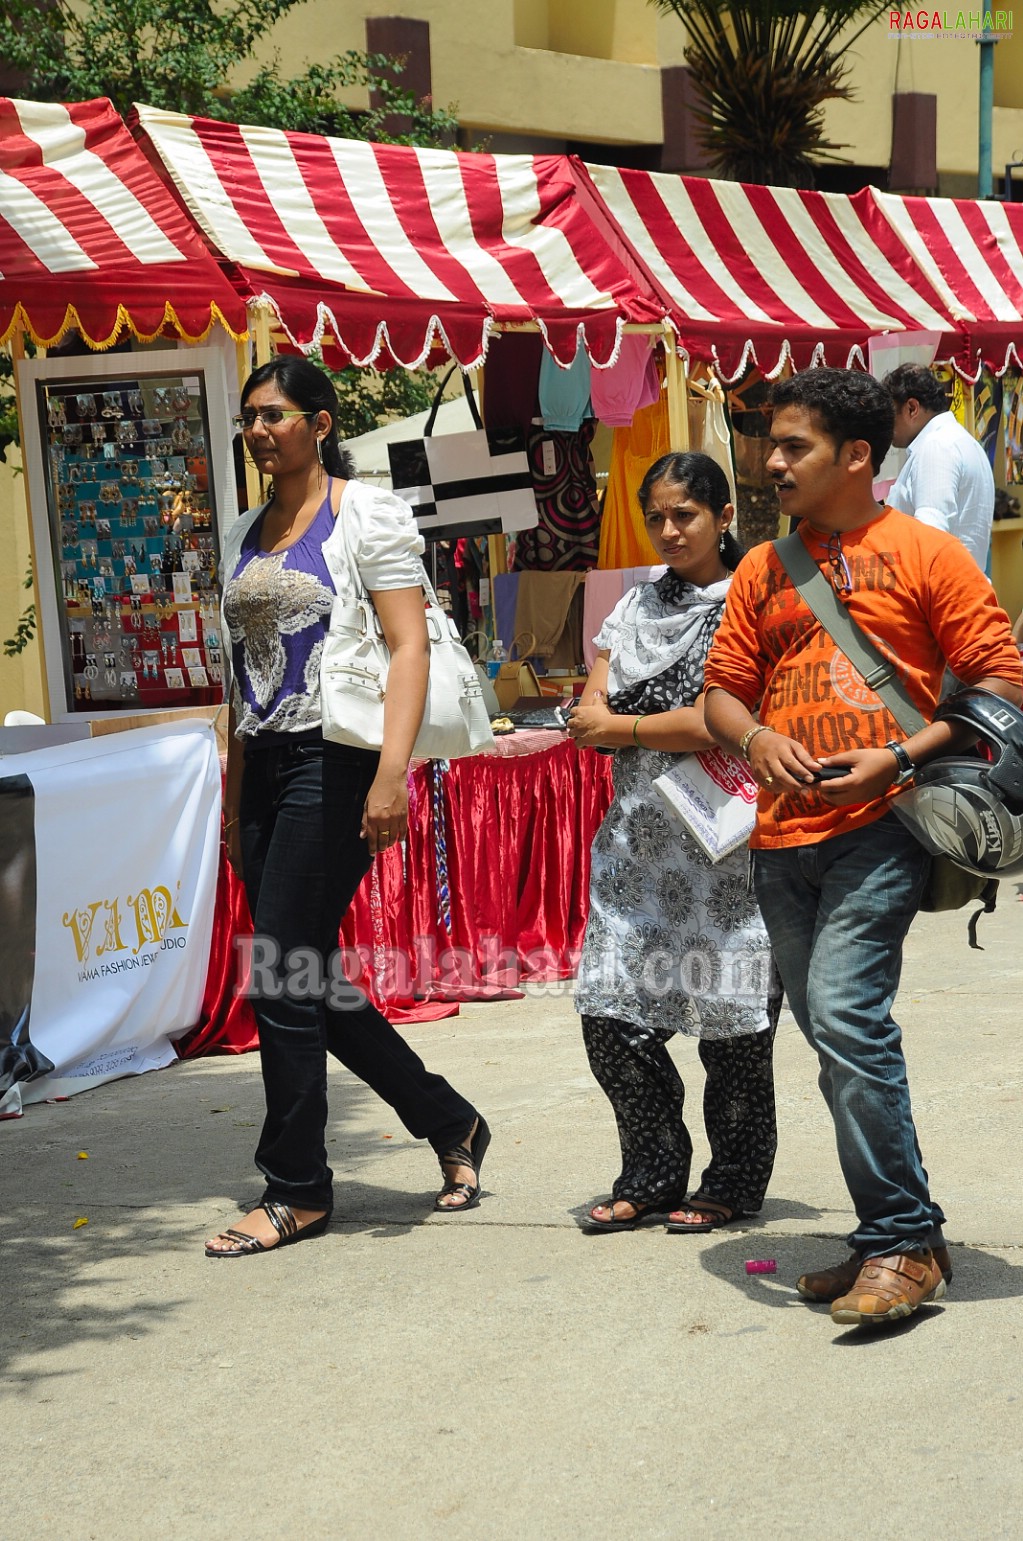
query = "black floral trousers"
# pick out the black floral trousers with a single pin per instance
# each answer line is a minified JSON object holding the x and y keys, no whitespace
{"x":640,"y":1080}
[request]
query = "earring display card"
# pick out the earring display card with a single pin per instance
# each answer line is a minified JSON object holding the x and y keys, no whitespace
{"x":132,"y":518}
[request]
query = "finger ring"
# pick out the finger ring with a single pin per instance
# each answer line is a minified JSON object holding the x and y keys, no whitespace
{"x":768,"y":781}
{"x":384,"y":831}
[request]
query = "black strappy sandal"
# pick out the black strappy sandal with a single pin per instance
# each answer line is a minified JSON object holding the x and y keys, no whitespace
{"x":644,"y":1213}
{"x":282,"y":1218}
{"x":461,"y":1156}
{"x":647,"y":1211}
{"x":715,"y":1212}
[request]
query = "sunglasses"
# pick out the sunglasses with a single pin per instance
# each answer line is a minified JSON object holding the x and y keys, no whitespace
{"x":270,"y":417}
{"x":841,"y":577}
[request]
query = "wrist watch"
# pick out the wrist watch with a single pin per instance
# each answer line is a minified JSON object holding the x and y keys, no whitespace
{"x":906,"y":770}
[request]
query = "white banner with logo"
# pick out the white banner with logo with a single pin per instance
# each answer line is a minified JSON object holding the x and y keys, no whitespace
{"x":118,"y":839}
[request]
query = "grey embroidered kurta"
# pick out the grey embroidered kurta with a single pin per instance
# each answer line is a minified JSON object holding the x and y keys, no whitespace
{"x":673,"y":941}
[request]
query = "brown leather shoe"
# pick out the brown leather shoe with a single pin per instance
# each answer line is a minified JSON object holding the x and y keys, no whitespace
{"x":830,"y":1283}
{"x":888,"y":1288}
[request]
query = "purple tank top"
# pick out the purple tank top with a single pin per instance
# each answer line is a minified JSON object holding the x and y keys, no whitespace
{"x":278,"y":607}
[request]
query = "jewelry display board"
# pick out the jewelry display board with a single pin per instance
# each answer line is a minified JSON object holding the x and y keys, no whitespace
{"x":125,"y":474}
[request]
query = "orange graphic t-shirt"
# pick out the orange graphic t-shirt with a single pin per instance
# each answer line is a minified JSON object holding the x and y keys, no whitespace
{"x":922,"y":600}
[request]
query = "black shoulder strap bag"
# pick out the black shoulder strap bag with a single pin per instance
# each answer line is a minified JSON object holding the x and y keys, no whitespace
{"x":949,"y":887}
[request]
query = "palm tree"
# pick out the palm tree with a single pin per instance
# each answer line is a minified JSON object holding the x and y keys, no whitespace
{"x":763,"y":70}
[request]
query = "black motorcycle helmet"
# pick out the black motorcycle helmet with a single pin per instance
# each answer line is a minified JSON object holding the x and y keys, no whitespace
{"x":971,"y":809}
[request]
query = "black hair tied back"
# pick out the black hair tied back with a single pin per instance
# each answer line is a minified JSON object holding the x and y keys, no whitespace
{"x":312,"y":390}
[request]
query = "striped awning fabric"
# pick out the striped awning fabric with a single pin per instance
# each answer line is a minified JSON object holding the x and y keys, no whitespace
{"x":770,"y":274}
{"x":90,"y":237}
{"x":972,"y":254}
{"x":381,"y":250}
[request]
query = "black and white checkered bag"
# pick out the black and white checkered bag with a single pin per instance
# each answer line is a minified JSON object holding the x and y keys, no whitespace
{"x":465,"y":483}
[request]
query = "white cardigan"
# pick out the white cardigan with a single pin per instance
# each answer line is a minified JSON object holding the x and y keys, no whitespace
{"x":382,"y":534}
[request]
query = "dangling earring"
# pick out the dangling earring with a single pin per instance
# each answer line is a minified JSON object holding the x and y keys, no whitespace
{"x":319,"y":457}
{"x":721,"y":543}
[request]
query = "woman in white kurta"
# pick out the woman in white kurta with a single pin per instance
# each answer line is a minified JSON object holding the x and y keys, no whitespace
{"x":674,"y":943}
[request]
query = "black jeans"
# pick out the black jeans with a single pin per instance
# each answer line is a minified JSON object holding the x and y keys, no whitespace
{"x":303,"y":859}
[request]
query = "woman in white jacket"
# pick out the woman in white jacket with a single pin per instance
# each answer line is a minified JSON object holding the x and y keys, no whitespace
{"x":304,"y":817}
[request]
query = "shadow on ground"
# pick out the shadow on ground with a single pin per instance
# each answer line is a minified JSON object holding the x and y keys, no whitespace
{"x":977,"y":1275}
{"x":136,"y":1164}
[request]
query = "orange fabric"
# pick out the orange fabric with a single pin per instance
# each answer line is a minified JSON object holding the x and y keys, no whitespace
{"x":914,"y":587}
{"x":623,"y":540}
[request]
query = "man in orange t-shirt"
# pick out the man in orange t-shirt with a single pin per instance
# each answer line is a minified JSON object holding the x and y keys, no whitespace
{"x":838,"y":877}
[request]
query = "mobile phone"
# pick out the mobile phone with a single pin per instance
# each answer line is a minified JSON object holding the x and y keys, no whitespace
{"x":831,"y":772}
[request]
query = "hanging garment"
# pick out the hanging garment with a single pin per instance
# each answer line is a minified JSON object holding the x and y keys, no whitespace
{"x":567,"y":534}
{"x":623,"y":540}
{"x":565,"y":393}
{"x":987,"y":414}
{"x":504,"y":588}
{"x":631,"y":382}
{"x":1012,"y":419}
{"x":551,"y":608}
{"x":708,"y":432}
{"x":603,"y":591}
{"x":511,"y":380}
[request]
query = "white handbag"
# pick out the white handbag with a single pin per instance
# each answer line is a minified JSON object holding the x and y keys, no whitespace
{"x":353,"y":680}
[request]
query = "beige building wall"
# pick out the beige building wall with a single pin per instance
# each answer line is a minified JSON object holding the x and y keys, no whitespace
{"x":589,"y":70}
{"x":579,"y":69}
{"x":880,"y":66}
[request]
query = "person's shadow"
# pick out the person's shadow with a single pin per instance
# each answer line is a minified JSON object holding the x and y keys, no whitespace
{"x":976,"y":1275}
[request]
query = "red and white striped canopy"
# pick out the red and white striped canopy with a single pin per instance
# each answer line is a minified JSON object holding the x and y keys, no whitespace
{"x":772,"y":274}
{"x":90,"y":238}
{"x":972,"y":254}
{"x":385,"y":248}
{"x":381,"y":251}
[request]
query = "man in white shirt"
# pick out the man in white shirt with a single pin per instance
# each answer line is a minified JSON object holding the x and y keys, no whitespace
{"x":946,"y":481}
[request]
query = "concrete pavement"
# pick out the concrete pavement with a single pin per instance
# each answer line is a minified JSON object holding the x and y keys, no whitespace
{"x":504,"y":1375}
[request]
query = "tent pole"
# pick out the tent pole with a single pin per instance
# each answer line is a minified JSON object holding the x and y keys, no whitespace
{"x":261,"y":331}
{"x":678,"y":396}
{"x":17,"y":346}
{"x":252,"y":488}
{"x":497,"y":545}
{"x":970,"y":410}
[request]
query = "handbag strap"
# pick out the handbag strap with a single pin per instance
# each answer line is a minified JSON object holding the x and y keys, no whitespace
{"x":878,"y":672}
{"x":516,"y":642}
{"x":469,"y":396}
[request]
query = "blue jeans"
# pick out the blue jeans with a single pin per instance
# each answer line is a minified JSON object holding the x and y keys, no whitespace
{"x":837,"y":914}
{"x":303,"y":858}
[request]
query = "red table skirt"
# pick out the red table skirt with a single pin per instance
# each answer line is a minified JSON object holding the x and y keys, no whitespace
{"x":514,"y":832}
